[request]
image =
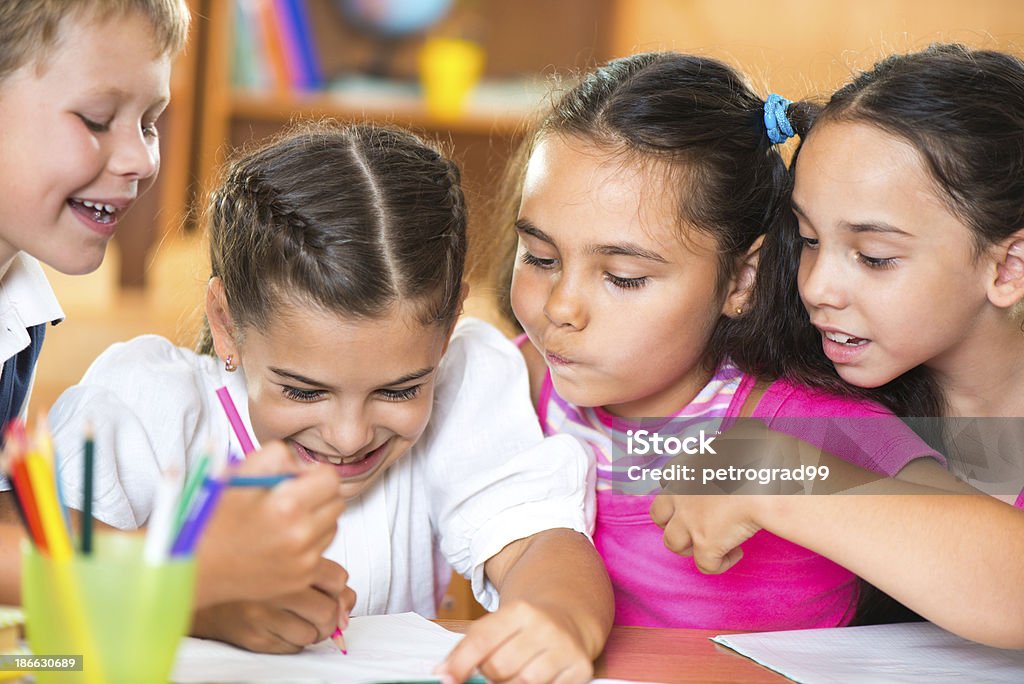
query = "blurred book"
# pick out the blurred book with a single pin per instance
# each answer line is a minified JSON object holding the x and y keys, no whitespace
{"x":300,"y":51}
{"x":518,"y":97}
{"x":274,"y":47}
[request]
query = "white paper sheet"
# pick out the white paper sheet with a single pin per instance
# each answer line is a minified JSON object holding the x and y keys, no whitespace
{"x":912,"y":652}
{"x":380,"y":648}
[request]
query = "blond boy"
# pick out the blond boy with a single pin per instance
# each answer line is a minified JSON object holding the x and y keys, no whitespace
{"x":82,"y":85}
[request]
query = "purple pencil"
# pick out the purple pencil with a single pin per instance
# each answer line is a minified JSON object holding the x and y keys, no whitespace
{"x":197,"y":518}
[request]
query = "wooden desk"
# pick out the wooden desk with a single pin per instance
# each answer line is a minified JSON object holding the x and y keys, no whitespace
{"x":668,"y":655}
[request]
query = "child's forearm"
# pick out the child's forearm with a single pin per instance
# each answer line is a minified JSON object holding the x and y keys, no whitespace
{"x":955,"y":559}
{"x":555,"y":614}
{"x":560,"y":572}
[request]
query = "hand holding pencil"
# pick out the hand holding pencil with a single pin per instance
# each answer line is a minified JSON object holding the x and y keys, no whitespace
{"x":280,"y":474}
{"x":264,"y":542}
{"x":286,"y":623}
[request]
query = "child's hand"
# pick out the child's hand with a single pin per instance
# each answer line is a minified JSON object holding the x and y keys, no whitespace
{"x":282,"y":624}
{"x":520,"y":642}
{"x":710,"y":528}
{"x":263,"y":543}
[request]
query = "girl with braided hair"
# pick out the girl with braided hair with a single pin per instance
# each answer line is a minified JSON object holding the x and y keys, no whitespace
{"x":337,"y":257}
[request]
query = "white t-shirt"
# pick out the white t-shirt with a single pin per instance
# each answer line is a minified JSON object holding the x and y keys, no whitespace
{"x":481,"y":476}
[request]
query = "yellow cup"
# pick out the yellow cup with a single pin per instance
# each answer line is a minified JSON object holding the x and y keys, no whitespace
{"x":124,"y":617}
{"x":449,"y":69}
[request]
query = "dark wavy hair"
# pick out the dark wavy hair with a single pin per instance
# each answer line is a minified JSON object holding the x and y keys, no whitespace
{"x":701,"y":121}
{"x":963,"y":111}
{"x":351,"y":219}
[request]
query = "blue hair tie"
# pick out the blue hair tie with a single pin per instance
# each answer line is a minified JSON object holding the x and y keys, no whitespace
{"x":776,"y":121}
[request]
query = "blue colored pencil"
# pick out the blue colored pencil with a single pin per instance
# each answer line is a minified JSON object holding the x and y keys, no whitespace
{"x":259,"y":481}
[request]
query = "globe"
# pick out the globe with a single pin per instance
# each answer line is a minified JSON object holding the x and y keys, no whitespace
{"x":394,"y":18}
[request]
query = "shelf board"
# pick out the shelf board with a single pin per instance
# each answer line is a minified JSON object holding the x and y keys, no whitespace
{"x":485,"y":119}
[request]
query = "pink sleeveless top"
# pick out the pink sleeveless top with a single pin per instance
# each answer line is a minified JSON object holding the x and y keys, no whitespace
{"x":777,"y":584}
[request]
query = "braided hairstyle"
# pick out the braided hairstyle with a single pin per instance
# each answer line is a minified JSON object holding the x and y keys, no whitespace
{"x":350,"y":219}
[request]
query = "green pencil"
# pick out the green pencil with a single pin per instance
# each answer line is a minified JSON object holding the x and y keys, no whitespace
{"x":195,"y":479}
{"x":89,"y":476}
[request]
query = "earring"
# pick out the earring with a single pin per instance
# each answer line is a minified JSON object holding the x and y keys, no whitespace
{"x":739,"y":311}
{"x":229,"y":364}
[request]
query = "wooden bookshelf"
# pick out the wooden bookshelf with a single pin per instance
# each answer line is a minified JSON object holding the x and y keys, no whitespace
{"x":480,"y":140}
{"x":278,"y":107}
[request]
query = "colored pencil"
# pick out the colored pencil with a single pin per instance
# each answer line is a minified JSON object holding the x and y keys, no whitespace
{"x":15,"y":445}
{"x":159,"y":532}
{"x":16,"y":437}
{"x":43,"y":489}
{"x":235,"y":420}
{"x":44,"y":445}
{"x":6,"y":467}
{"x":259,"y":481}
{"x":199,"y":516}
{"x":339,"y":640}
{"x":192,"y":484}
{"x":89,"y":475}
{"x":23,"y":488}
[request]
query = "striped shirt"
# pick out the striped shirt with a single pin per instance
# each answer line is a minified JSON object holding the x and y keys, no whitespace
{"x":605,"y":435}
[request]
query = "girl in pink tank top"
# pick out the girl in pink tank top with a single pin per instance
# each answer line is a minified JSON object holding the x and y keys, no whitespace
{"x":643,"y":202}
{"x":903,"y":276}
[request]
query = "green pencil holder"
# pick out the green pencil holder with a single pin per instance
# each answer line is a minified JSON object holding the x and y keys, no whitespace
{"x":124,"y":617}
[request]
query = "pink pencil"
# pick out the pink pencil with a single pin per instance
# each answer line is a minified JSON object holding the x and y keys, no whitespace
{"x":339,"y":641}
{"x":235,"y":420}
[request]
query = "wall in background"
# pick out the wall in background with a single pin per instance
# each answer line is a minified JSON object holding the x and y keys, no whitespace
{"x":799,"y":47}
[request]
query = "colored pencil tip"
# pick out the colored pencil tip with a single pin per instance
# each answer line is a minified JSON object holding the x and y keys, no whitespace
{"x":15,"y":442}
{"x":339,"y":640}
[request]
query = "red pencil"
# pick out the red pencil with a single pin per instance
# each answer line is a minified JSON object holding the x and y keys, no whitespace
{"x":23,"y":490}
{"x":15,"y":446}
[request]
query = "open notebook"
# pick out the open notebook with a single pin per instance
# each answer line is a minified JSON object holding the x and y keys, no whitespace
{"x":391,"y":648}
{"x":912,"y":652}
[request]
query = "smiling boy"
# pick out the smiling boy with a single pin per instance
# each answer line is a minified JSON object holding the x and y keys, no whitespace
{"x":82,"y":84}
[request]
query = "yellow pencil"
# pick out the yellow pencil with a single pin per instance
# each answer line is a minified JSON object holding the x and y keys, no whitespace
{"x":40,"y":475}
{"x":39,"y":463}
